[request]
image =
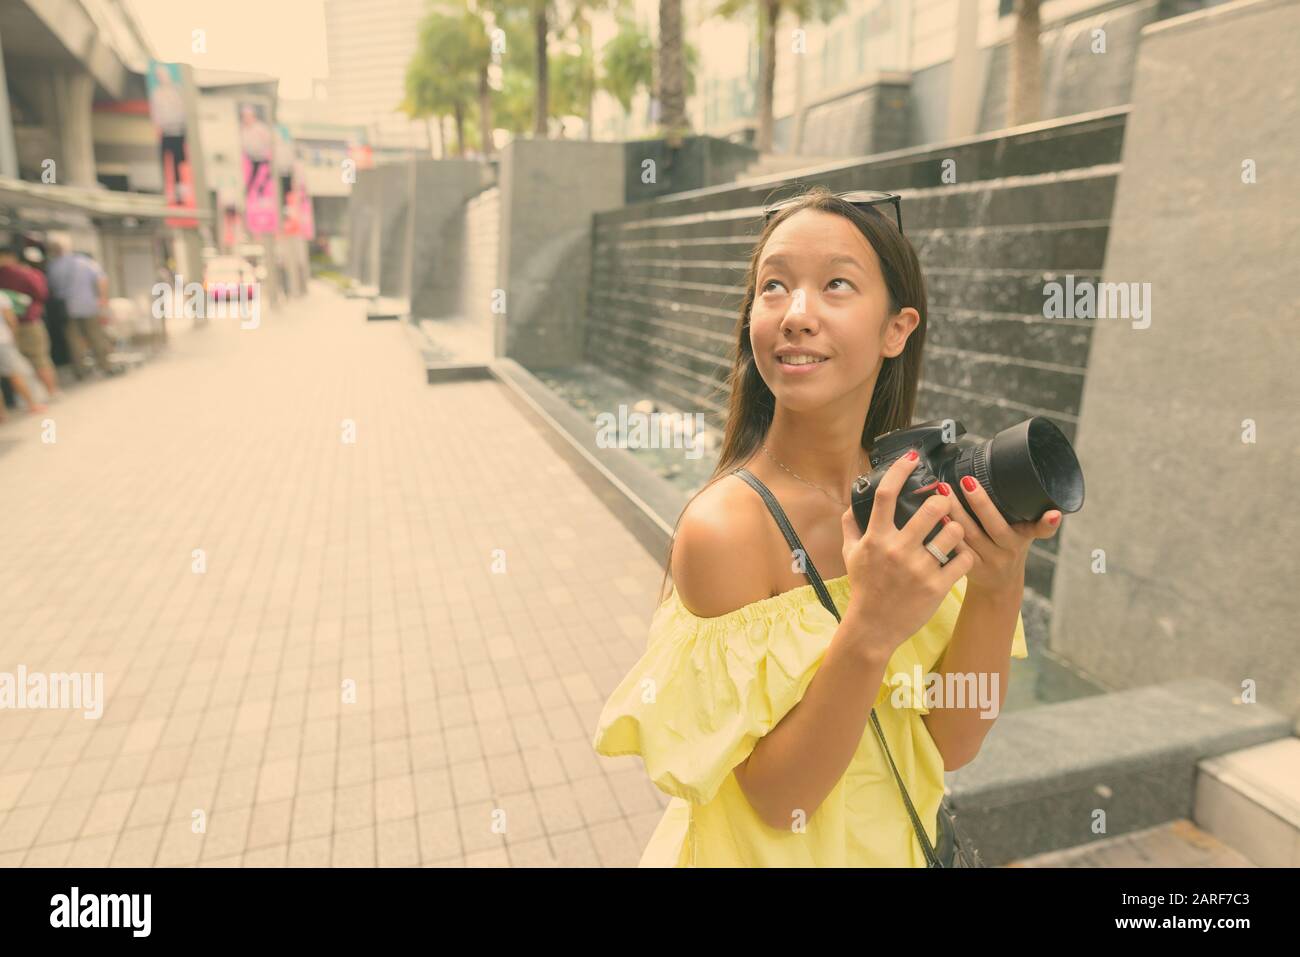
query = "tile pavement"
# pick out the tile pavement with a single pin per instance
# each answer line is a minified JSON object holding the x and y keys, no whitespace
{"x":328,"y":564}
{"x":1175,"y":844}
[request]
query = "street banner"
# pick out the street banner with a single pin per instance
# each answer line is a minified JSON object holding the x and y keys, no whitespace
{"x":167,"y":110}
{"x":261,"y":202}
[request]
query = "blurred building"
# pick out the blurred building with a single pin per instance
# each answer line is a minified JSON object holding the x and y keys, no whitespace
{"x":370,"y":43}
{"x":331,"y":153}
{"x":79,"y":155}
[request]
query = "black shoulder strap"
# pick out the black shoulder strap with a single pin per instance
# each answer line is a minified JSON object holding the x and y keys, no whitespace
{"x":792,"y":539}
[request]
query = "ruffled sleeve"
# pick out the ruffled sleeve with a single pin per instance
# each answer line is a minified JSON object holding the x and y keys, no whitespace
{"x":707,"y":689}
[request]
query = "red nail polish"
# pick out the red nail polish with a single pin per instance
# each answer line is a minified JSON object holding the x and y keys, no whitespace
{"x":912,"y":455}
{"x":944,"y":489}
{"x":968,"y":483}
{"x":945,"y":519}
{"x":1053,"y":520}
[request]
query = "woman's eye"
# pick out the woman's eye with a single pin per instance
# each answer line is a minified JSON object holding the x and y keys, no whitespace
{"x":843,"y":280}
{"x":769,"y":283}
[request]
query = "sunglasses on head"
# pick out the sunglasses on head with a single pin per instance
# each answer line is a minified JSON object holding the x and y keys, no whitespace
{"x":864,"y":199}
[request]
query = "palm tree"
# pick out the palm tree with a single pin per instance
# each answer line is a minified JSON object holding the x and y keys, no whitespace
{"x":542,"y":16}
{"x":672,"y":70}
{"x":1024,"y":70}
{"x":541,"y":27}
{"x":769,"y":15}
{"x":448,"y":69}
{"x":628,"y":66}
{"x":627,"y":63}
{"x":421,"y":99}
{"x":584,"y":82}
{"x":493,"y":12}
{"x":571,"y":93}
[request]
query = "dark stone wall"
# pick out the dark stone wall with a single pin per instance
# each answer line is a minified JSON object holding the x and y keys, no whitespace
{"x":871,"y":120}
{"x":442,"y":187}
{"x":434,"y":192}
{"x":928,"y":105}
{"x":1076,"y":80}
{"x":331,"y":215}
{"x":378,"y":204}
{"x":699,"y":162}
{"x":550,"y":190}
{"x":394,"y":206}
{"x":363,"y":207}
{"x":666,"y":277}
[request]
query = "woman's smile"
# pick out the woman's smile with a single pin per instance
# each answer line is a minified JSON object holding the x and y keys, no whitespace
{"x":801,"y":364}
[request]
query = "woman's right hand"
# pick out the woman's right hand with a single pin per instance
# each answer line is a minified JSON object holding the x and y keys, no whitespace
{"x":895,"y":584}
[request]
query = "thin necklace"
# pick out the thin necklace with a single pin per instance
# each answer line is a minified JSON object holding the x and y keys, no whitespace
{"x":805,"y":481}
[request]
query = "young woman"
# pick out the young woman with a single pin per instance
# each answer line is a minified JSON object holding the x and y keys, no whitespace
{"x":751,"y":704}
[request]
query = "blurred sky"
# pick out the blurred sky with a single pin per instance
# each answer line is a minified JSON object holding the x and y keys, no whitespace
{"x":285,"y":38}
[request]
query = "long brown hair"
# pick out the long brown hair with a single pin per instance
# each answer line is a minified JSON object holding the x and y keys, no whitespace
{"x":751,"y":404}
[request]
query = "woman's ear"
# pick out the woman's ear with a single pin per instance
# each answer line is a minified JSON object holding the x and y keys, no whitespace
{"x":897,"y":330}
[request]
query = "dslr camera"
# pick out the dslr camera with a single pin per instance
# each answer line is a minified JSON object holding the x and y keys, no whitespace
{"x":1025,"y":469}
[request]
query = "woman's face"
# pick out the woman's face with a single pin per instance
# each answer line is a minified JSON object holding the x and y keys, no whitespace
{"x":820,"y":292}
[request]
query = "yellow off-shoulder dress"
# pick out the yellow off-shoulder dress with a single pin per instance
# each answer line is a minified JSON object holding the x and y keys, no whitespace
{"x":706,"y":689}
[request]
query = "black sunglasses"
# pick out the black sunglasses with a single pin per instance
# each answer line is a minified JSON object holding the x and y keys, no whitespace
{"x":861,"y":198}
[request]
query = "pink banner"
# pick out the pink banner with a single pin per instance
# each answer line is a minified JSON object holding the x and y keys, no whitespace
{"x":167,"y":110}
{"x":261,"y":208}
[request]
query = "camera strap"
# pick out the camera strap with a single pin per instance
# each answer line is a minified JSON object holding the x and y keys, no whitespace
{"x":810,"y":570}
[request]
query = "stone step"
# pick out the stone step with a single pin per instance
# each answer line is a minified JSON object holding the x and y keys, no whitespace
{"x":1176,"y":844}
{"x":387,"y":308}
{"x":1250,"y":800}
{"x":1125,"y":761}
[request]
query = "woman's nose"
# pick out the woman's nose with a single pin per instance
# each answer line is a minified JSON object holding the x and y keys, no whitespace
{"x":798,"y":315}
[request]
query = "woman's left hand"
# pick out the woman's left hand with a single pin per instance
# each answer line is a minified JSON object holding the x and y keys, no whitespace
{"x":1001,"y":548}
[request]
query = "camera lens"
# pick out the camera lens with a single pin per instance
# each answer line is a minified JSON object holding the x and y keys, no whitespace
{"x":1026,"y":469}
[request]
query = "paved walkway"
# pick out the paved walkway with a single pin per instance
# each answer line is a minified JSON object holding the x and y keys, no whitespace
{"x":328,"y":566}
{"x":1176,"y":844}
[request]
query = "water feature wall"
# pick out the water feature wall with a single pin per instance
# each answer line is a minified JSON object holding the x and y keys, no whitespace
{"x":482,"y":256}
{"x":699,"y":162}
{"x":405,"y":229}
{"x":1028,"y":206}
{"x":1078,"y":72}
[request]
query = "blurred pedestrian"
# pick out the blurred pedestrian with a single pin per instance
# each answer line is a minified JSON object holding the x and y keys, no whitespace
{"x":31,"y":336}
{"x":83,"y":286}
{"x":13,"y":366}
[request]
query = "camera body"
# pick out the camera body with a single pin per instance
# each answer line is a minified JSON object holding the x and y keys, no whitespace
{"x":1025,"y":469}
{"x":928,"y":439}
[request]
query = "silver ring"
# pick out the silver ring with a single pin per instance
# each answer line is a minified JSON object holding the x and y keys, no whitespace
{"x":943,"y":559}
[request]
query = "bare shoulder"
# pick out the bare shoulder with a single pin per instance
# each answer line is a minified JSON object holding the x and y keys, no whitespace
{"x":723,"y":553}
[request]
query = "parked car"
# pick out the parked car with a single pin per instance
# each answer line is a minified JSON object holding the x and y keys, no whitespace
{"x":225,"y":276}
